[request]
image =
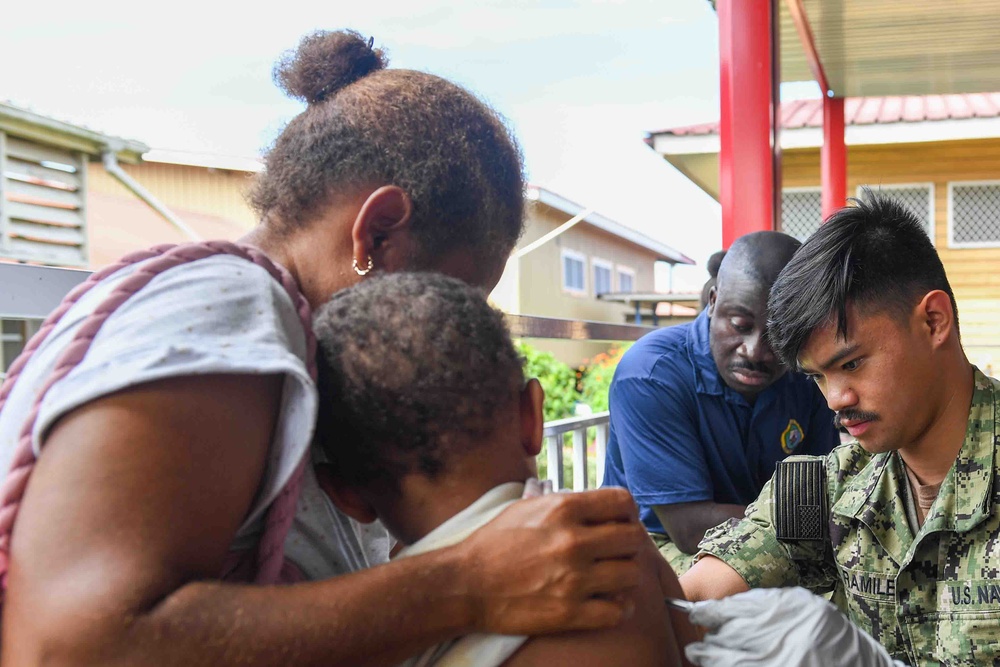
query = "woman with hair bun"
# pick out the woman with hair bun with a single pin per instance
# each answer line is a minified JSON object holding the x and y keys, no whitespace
{"x":158,"y":434}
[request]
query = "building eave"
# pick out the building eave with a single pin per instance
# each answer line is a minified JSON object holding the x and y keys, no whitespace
{"x":27,"y":124}
{"x":663,"y":252}
{"x":668,"y":143}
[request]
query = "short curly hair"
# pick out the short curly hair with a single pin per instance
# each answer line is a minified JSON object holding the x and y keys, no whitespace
{"x":414,"y":369}
{"x":367,"y":125}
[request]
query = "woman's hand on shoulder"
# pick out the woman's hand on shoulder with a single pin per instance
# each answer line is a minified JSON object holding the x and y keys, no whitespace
{"x":564,"y":561}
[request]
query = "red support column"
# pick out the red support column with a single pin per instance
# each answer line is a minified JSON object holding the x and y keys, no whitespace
{"x":747,"y":79}
{"x":833,"y":156}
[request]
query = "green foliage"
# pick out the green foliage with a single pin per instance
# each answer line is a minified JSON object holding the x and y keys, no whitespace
{"x":558,"y":380}
{"x":597,"y":374}
{"x":564,"y":387}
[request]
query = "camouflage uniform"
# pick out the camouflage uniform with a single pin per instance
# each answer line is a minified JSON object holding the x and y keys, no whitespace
{"x":932,"y":598}
{"x":679,"y":561}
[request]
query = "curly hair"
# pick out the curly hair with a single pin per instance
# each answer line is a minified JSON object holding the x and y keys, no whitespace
{"x":367,"y":125}
{"x":415,"y":368}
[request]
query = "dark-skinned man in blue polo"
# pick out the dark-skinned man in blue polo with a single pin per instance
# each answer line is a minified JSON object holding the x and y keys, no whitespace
{"x":702,"y":412}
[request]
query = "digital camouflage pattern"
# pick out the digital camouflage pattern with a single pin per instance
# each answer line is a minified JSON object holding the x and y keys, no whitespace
{"x":679,"y":561}
{"x":932,"y":598}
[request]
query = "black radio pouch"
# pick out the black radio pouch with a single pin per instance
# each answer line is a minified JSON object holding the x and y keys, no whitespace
{"x":800,"y":506}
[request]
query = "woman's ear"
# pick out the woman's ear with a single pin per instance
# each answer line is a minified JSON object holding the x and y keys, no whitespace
{"x":532,"y":417}
{"x":348,"y":500}
{"x":381,"y":236}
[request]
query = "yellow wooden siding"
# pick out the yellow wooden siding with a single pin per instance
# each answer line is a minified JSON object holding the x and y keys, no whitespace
{"x":217,"y":192}
{"x":973,"y":272}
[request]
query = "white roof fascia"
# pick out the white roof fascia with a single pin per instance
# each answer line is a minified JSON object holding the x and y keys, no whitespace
{"x":688,"y":144}
{"x":539,"y":194}
{"x":27,"y":116}
{"x":855,"y":135}
{"x":208,"y":160}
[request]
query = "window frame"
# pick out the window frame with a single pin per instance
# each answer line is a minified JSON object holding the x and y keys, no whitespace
{"x":931,"y":204}
{"x":17,"y":338}
{"x":801,"y":188}
{"x":627,"y":270}
{"x":580,"y":257}
{"x":598,"y":262}
{"x":951,"y":217}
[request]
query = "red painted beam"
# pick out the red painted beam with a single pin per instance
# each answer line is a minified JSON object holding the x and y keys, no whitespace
{"x":833,"y":156}
{"x":746,"y":155}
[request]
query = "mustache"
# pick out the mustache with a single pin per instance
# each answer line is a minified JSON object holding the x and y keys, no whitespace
{"x":750,"y":366}
{"x":854,"y":415}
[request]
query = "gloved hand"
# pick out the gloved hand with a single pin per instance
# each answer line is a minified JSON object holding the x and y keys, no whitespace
{"x":786,"y":627}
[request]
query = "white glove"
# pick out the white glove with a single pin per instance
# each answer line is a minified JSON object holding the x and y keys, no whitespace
{"x":786,"y":627}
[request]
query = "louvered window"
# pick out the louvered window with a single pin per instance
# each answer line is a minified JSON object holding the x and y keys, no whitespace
{"x":42,"y":199}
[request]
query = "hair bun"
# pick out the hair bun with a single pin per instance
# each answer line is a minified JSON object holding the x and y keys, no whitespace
{"x":326,"y":62}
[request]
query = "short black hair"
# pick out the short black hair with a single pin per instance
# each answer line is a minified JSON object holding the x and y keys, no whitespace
{"x":759,"y":256}
{"x":413,"y":369}
{"x":874,"y":254}
{"x":713,"y":264}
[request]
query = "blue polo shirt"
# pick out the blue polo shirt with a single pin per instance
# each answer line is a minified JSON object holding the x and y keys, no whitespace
{"x":679,"y":434}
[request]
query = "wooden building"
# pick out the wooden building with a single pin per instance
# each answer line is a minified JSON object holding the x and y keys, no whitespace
{"x":939,"y":154}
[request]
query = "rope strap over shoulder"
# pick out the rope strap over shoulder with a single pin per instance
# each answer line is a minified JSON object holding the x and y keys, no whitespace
{"x":269,"y":559}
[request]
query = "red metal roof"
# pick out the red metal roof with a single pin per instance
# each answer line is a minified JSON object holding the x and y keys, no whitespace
{"x":872,"y":110}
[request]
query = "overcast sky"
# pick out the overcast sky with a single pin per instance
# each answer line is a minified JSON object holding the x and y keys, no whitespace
{"x":581,"y":82}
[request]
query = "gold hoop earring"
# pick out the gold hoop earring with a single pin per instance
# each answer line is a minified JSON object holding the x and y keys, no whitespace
{"x":358,"y":270}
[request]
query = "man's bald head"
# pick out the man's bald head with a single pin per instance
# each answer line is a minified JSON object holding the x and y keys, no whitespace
{"x":759,"y":257}
{"x":738,"y":311}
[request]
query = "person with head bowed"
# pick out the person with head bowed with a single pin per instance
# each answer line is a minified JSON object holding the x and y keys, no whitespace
{"x":158,"y":436}
{"x":702,"y":412}
{"x":903,"y":522}
{"x":430,"y":426}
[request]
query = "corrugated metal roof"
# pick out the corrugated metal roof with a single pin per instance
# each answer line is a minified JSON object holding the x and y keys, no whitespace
{"x":874,"y":110}
{"x":900,"y":47}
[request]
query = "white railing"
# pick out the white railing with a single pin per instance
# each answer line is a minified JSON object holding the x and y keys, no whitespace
{"x":554,"y":444}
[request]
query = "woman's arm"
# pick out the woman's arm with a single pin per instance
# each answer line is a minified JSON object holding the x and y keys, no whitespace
{"x":131,"y":510}
{"x":648,"y":638}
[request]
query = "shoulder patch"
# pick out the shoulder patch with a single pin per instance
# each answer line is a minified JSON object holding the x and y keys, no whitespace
{"x":792,"y":437}
{"x":799,"y":499}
